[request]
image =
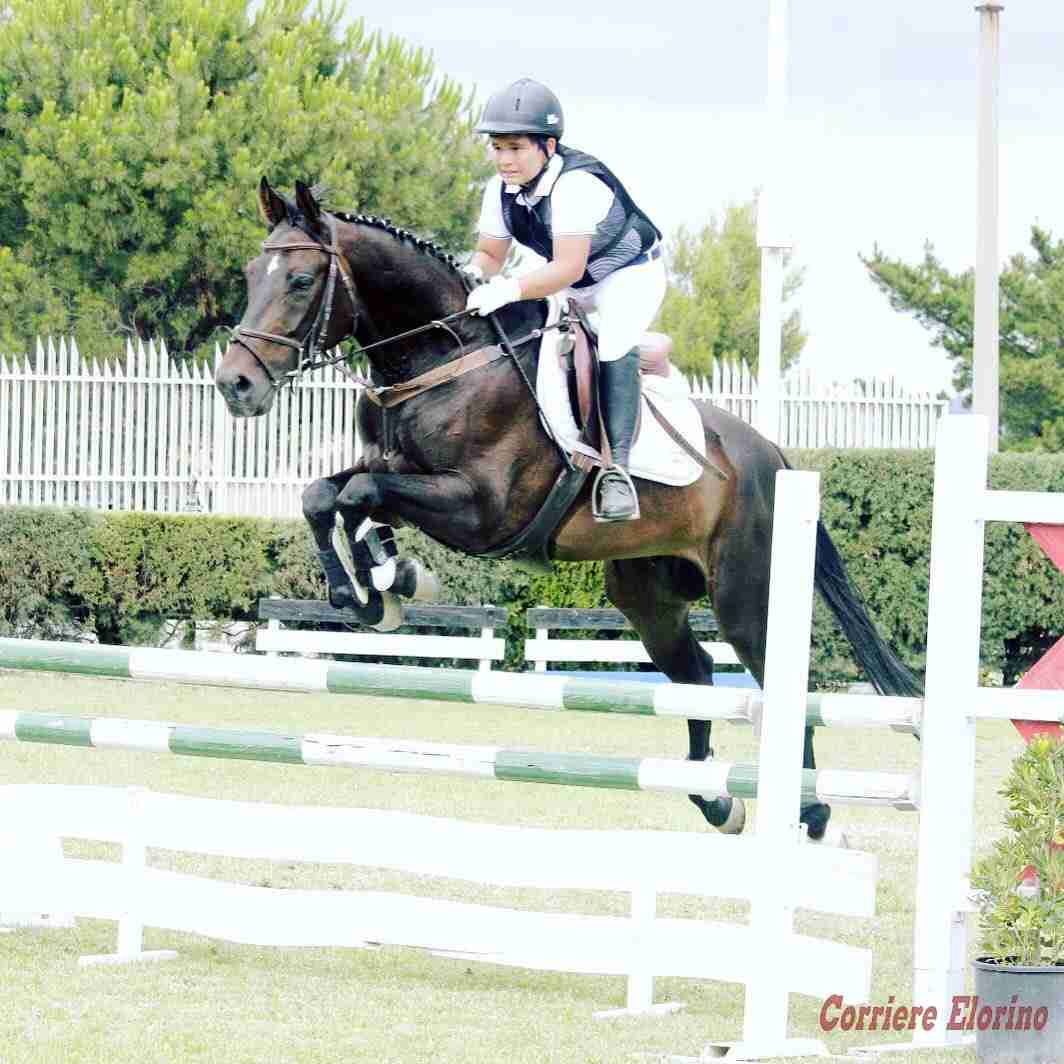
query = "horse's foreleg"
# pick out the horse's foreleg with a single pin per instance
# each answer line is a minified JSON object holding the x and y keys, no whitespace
{"x":319,"y":508}
{"x":440,"y":505}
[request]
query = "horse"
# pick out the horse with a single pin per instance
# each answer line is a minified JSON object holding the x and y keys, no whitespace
{"x":469,"y":461}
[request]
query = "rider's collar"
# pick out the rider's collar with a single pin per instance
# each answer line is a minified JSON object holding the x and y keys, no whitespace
{"x":544,"y":185}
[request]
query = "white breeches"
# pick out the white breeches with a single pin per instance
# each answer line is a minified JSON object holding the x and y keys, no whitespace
{"x":622,"y":305}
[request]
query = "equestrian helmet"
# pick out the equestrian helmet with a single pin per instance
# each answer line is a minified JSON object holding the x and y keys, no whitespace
{"x":526,"y":106}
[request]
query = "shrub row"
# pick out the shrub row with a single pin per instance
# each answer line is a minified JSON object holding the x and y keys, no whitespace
{"x":120,"y":575}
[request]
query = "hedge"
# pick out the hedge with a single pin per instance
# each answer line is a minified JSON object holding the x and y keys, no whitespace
{"x":119,"y":575}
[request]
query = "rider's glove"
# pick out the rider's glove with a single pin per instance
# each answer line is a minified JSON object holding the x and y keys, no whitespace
{"x":474,"y":273}
{"x":489,"y":297}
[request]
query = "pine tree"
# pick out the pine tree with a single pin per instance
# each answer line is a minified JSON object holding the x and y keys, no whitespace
{"x":133,"y":134}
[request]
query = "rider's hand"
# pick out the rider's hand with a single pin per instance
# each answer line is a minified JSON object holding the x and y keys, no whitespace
{"x":489,"y":297}
{"x":474,"y":274}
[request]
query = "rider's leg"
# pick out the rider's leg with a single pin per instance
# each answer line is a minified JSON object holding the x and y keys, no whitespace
{"x":619,"y":396}
{"x":626,"y":302}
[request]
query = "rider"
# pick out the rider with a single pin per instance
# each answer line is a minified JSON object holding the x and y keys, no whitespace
{"x":602,"y":251}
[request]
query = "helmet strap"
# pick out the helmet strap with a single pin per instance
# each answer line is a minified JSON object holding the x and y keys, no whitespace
{"x":530,"y":184}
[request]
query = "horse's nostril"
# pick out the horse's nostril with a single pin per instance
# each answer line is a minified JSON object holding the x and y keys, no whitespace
{"x":241,"y":385}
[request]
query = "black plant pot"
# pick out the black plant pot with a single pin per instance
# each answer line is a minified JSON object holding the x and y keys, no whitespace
{"x":1033,"y":1031}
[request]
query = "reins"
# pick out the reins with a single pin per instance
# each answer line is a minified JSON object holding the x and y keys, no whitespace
{"x":312,"y":347}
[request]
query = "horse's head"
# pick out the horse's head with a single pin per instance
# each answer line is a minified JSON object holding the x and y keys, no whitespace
{"x":296,"y":308}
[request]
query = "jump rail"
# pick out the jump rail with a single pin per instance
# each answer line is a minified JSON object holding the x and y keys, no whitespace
{"x":711,"y":779}
{"x":524,"y":690}
{"x":485,"y":648}
{"x":544,"y":649}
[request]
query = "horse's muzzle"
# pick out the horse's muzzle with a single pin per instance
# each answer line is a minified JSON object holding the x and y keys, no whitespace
{"x":245,"y":389}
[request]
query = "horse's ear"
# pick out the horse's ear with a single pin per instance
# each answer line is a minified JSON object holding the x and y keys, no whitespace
{"x":306,"y":202}
{"x":271,"y":205}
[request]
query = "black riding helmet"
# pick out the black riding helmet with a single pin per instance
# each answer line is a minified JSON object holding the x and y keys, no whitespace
{"x":526,"y":106}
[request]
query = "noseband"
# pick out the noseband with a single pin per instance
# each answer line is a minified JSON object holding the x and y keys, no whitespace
{"x":311,"y":347}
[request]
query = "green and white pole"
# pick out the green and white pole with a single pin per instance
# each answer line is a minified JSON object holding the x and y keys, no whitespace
{"x":711,"y":779}
{"x":523,"y":690}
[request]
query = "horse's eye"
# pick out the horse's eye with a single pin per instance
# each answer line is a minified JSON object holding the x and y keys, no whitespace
{"x":301,"y":282}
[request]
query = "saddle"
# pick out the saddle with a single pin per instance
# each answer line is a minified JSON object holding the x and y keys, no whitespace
{"x":578,"y":353}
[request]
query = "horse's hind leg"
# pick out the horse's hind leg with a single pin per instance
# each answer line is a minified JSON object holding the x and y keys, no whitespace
{"x":740,"y":601}
{"x":655,"y":594}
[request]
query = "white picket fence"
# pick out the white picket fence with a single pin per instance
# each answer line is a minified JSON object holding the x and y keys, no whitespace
{"x":868,"y":413}
{"x":146,"y":433}
{"x":151,"y":434}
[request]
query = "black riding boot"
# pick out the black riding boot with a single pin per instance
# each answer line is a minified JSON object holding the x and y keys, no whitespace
{"x":614,"y":493}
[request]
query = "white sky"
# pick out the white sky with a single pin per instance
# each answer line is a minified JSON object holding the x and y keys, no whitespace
{"x":882,"y":104}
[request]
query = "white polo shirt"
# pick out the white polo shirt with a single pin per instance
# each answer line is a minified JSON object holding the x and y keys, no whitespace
{"x":579,"y":201}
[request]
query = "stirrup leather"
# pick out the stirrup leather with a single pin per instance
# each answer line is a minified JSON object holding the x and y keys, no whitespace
{"x":596,"y":509}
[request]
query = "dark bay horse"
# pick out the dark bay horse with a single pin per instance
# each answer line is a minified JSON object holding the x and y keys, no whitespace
{"x":469,"y":462}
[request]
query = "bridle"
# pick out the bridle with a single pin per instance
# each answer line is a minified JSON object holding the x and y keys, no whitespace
{"x":312,"y":346}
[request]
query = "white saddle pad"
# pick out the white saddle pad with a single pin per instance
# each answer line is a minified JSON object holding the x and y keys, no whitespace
{"x":654,"y":455}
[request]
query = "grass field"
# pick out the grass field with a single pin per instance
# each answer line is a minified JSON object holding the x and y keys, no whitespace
{"x":237,"y":1005}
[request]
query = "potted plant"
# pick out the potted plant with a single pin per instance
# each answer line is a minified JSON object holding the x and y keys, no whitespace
{"x":1018,"y":1012}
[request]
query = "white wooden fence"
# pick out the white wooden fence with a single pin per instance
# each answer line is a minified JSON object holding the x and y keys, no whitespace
{"x":145,"y":433}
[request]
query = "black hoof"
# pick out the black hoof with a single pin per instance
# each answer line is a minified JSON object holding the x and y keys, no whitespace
{"x":405,"y":583}
{"x":369,"y":613}
{"x":716,"y":810}
{"x":816,"y":817}
{"x":342,"y":597}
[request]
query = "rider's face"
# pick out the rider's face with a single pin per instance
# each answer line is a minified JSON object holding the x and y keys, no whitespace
{"x":519,"y":158}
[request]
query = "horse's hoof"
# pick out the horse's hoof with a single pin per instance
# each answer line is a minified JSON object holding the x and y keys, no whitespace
{"x":343,"y":597}
{"x":414,"y":581}
{"x":727,"y":815}
{"x":833,"y":837}
{"x":736,"y":819}
{"x":816,"y":817}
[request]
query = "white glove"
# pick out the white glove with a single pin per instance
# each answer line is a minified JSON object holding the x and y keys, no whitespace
{"x":489,"y":297}
{"x":474,"y":273}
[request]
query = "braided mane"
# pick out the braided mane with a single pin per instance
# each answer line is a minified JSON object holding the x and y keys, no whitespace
{"x":386,"y":225}
{"x":402,"y":235}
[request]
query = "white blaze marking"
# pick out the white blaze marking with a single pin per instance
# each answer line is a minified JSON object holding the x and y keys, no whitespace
{"x":274,"y":263}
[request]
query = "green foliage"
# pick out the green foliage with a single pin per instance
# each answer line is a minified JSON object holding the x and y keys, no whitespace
{"x":466,"y":581}
{"x":1032,"y":331}
{"x":712,"y":306}
{"x":877,"y":507}
{"x":1022,"y":909}
{"x":46,"y":573}
{"x":154,"y":566}
{"x":133,"y":134}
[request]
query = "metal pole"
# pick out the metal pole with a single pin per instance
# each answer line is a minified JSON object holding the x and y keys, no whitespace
{"x":985,"y":354}
{"x":770,"y":239}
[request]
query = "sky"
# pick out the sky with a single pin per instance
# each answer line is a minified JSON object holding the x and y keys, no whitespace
{"x":879,"y":149}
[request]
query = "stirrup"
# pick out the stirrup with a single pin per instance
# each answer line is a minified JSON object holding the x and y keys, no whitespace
{"x":596,"y":509}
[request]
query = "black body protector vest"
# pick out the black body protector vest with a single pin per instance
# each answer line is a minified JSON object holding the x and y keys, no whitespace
{"x":623,"y":235}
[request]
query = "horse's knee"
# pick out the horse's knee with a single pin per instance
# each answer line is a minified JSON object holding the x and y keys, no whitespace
{"x":319,"y":500}
{"x":359,"y":496}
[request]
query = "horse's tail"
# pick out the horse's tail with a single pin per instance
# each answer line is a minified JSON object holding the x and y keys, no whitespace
{"x":888,"y":674}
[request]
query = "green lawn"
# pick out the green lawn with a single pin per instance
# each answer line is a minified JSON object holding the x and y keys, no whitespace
{"x":236,"y":1004}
